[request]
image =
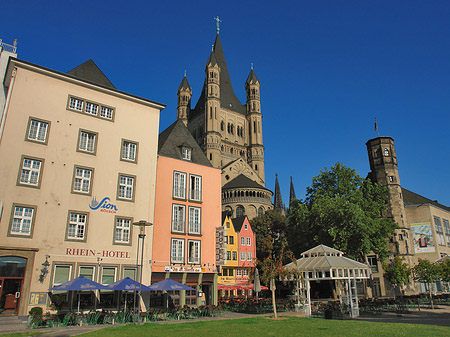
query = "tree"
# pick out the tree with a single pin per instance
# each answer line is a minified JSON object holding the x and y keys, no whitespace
{"x":344,"y":211}
{"x":427,"y":272}
{"x":269,"y":225}
{"x":445,"y":269}
{"x":397,"y":273}
{"x":272,"y":265}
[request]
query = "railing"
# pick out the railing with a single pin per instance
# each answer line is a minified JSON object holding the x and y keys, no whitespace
{"x":8,"y":47}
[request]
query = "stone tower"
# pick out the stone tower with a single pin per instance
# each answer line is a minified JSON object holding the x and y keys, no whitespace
{"x":230,"y":134}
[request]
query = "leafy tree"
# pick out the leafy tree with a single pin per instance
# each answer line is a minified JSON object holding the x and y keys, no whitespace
{"x":269,"y":225}
{"x":344,"y":211}
{"x":272,"y":265}
{"x":427,"y":272}
{"x":445,"y":269}
{"x":397,"y":273}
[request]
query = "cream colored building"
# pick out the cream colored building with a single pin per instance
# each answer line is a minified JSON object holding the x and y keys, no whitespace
{"x":77,"y":168}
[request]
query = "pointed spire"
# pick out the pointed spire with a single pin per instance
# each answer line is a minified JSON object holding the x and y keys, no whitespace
{"x":184,"y":84}
{"x":291,"y":193}
{"x":277,"y":202}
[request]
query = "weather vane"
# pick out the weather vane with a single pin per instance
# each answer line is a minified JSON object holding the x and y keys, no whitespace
{"x":218,"y":21}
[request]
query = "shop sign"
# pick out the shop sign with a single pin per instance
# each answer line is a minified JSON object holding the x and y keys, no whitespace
{"x":104,"y":205}
{"x":99,"y":253}
{"x":170,"y":269}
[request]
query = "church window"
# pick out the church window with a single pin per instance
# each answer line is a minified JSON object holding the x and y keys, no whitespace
{"x":210,"y":112}
{"x":231,"y":150}
{"x":222,"y":127}
{"x":386,"y":152}
{"x":391,"y":179}
{"x":210,"y":156}
{"x":260,"y":211}
{"x":256,"y":167}
{"x":240,"y":211}
{"x":227,"y":177}
{"x":254,"y":126}
{"x":215,"y":112}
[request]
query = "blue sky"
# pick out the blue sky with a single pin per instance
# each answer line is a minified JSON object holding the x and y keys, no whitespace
{"x":327,"y":69}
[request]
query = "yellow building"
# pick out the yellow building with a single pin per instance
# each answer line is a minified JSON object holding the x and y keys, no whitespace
{"x":78,"y":167}
{"x":227,"y":276}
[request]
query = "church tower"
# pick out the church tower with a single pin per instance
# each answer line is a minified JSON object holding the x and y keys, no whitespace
{"x":184,"y":100}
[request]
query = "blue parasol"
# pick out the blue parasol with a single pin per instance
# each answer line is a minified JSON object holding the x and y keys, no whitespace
{"x":169,"y":284}
{"x":79,"y":283}
{"x":128,"y":284}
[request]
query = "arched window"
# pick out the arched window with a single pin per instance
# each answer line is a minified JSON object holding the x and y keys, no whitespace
{"x":222,"y":126}
{"x":260,"y":211}
{"x":386,"y":152}
{"x":240,"y":211}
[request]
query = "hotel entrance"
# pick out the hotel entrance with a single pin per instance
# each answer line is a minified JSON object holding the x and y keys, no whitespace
{"x":12,"y":272}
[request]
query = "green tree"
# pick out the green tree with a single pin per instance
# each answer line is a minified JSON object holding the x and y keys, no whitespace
{"x":344,"y":211}
{"x":397,"y":272}
{"x":427,"y":272}
{"x":445,"y":269}
{"x":269,"y":225}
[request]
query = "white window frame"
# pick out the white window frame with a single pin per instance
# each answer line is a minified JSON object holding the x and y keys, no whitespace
{"x":125,"y":188}
{"x":106,"y":112}
{"x":76,"y":104}
{"x":129,"y":151}
{"x":77,"y":223}
{"x":178,"y":218}
{"x":87,"y":141}
{"x":196,"y":245}
{"x":22,"y":220}
{"x":249,"y":241}
{"x":82,"y":180}
{"x":234,"y":253}
{"x":186,"y":153}
{"x":242,"y":241}
{"x":54,"y":273}
{"x":195,"y":220}
{"x":91,"y":108}
{"x":238,"y":272}
{"x":249,"y":256}
{"x":108,"y":268}
{"x":242,"y":256}
{"x":30,"y":171}
{"x":122,"y":230}
{"x":177,"y":247}
{"x":179,"y":185}
{"x":37,"y":130}
{"x":87,"y":267}
{"x":195,"y":187}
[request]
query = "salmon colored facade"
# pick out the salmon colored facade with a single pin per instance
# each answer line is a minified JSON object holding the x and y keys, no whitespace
{"x":247,"y":252}
{"x":181,"y":251}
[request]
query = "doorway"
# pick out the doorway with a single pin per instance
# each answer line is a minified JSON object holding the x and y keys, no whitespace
{"x":12,"y":272}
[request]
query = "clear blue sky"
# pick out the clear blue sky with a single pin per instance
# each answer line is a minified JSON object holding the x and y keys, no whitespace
{"x":327,"y":69}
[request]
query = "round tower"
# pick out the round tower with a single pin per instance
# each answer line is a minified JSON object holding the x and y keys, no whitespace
{"x":184,"y":100}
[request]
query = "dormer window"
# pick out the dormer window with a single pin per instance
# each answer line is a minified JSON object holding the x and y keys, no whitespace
{"x":186,"y":153}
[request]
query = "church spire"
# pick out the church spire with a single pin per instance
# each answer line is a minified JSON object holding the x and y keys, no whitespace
{"x":277,"y":202}
{"x":291,"y":193}
{"x":184,"y":100}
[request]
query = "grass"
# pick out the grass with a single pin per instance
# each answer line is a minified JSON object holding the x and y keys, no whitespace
{"x":287,"y":326}
{"x":26,"y":333}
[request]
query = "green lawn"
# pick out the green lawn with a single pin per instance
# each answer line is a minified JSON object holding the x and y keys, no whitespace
{"x":288,"y":326}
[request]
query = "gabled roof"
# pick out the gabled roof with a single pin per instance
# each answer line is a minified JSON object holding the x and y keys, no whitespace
{"x":224,"y":215}
{"x":228,"y":99}
{"x":238,"y":222}
{"x":411,"y":198}
{"x":90,"y":72}
{"x":172,"y":139}
{"x":243,"y":182}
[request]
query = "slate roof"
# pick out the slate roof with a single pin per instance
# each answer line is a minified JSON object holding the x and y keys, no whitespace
{"x":90,"y":72}
{"x":238,"y":222}
{"x":228,"y":98}
{"x":224,"y":215}
{"x":252,"y":77}
{"x":277,"y":202}
{"x":291,"y":192}
{"x":172,"y":139}
{"x":242,"y":181}
{"x":411,"y":198}
{"x":184,"y":84}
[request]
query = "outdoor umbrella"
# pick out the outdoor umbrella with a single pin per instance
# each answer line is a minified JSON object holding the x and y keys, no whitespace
{"x":256,"y":284}
{"x":127,"y":284}
{"x":78,"y":284}
{"x":169,"y":284}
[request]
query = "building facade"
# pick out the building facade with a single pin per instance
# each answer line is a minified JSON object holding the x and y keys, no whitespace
{"x":229,"y":133}
{"x":78,"y":168}
{"x":187,"y":214}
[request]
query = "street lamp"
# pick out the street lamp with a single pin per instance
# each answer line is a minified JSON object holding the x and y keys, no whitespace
{"x":141,"y":224}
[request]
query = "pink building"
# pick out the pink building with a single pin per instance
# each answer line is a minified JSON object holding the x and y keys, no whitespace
{"x":246,"y":249}
{"x":187,"y":212}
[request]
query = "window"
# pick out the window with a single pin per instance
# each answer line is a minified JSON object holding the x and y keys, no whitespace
{"x":249,"y":241}
{"x":231,"y":240}
{"x":129,"y":151}
{"x":244,"y":272}
{"x":122,"y":230}
{"x":22,"y":220}
{"x":230,"y":272}
{"x":86,"y":272}
{"x":246,"y":226}
{"x":240,"y":211}
{"x":228,"y":255}
{"x":106,"y":112}
{"x":108,"y":275}
{"x":238,"y":272}
{"x":91,"y":108}
{"x":179,"y":185}
{"x":260,"y":211}
{"x":194,"y":220}
{"x":177,"y":251}
{"x":126,"y":187}
{"x":30,"y":172}
{"x":195,"y":188}
{"x":447,"y":231}
{"x":194,"y":252}
{"x":234,"y":256}
{"x":186,"y":153}
{"x":373,"y":262}
{"x":37,"y":130}
{"x":82,"y":180}
{"x":77,"y":226}
{"x":75,"y":104}
{"x":391,"y":179}
{"x":129,"y":272}
{"x":439,"y":232}
{"x":61,"y":274}
{"x":386,"y":152}
{"x":243,"y":241}
{"x":249,"y":256}
{"x":87,"y":142}
{"x":242,"y":256}
{"x":178,"y":218}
